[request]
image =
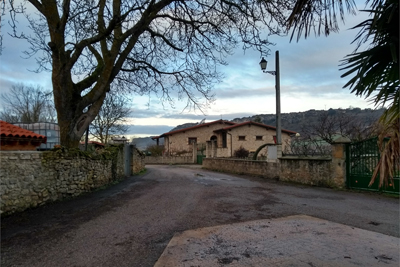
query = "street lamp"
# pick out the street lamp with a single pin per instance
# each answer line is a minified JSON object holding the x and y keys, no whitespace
{"x":263,"y":65}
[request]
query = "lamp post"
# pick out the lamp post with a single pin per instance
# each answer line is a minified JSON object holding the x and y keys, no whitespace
{"x":276,"y":73}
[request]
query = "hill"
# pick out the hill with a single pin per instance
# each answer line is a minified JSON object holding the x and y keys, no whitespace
{"x":294,"y":121}
{"x":143,"y":142}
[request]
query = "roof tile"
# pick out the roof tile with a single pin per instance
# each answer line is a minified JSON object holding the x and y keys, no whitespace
{"x":194,"y":127}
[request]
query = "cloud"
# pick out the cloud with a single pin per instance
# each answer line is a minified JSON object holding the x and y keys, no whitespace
{"x":309,"y":75}
{"x":240,"y":93}
{"x":144,"y":113}
{"x":148,"y":130}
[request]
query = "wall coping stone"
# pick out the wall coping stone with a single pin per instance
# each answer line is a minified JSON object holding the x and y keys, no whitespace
{"x":305,"y":158}
{"x":20,"y":152}
{"x":249,"y":160}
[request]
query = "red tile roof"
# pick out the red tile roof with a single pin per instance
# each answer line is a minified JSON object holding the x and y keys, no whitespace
{"x":194,"y":127}
{"x":9,"y":130}
{"x":253,"y":123}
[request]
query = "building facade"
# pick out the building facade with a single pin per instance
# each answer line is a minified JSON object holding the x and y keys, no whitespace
{"x":222,"y":138}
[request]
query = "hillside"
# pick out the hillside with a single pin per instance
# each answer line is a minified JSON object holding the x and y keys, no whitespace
{"x":294,"y":121}
{"x":143,"y":142}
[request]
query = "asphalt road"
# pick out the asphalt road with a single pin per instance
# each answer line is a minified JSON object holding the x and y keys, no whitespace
{"x":130,"y":224}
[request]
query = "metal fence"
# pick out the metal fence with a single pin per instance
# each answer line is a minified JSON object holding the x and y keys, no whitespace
{"x":307,"y":147}
{"x":363,"y":158}
{"x":48,"y":129}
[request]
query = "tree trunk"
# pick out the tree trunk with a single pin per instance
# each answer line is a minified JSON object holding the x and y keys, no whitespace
{"x":74,"y":116}
{"x":66,"y":106}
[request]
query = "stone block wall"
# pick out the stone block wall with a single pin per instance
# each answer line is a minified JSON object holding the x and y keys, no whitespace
{"x":264,"y":169}
{"x":324,"y":171}
{"x":138,"y":164}
{"x":311,"y":171}
{"x":32,"y":178}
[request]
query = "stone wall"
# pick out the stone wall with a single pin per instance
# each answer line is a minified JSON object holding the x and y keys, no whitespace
{"x":168,"y":160}
{"x":29,"y":179}
{"x":311,"y":171}
{"x":138,"y":164}
{"x":328,"y":172}
{"x":264,"y":169}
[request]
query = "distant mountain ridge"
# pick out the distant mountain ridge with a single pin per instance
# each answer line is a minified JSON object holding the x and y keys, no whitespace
{"x":183,"y":126}
{"x":292,"y":121}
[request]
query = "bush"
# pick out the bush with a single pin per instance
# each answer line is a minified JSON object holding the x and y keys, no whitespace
{"x":241,"y":153}
{"x":155,"y":150}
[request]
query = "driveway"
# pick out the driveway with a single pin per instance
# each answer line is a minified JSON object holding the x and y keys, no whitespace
{"x":131,"y":223}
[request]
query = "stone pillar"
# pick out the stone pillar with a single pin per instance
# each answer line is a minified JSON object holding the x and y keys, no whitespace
{"x":279,"y":151}
{"x":339,"y":161}
{"x":208,"y":149}
{"x":194,"y":152}
{"x":213,"y":148}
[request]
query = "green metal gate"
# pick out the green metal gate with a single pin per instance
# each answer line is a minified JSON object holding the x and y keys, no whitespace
{"x":362,"y":158}
{"x":200,"y":159}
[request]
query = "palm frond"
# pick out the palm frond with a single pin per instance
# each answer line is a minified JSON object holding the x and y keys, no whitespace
{"x":390,"y":156}
{"x":318,"y":16}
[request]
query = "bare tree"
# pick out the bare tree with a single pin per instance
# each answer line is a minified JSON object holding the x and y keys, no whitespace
{"x":306,"y":146}
{"x":167,"y":47}
{"x":111,"y":118}
{"x":329,"y":126}
{"x":27,"y":104}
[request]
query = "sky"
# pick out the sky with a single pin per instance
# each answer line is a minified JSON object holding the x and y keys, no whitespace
{"x":309,"y":79}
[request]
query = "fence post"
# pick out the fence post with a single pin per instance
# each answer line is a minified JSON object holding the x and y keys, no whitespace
{"x":339,"y":161}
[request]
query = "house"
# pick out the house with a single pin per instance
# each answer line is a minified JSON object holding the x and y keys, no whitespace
{"x":180,"y":141}
{"x":14,"y":138}
{"x":224,"y":136}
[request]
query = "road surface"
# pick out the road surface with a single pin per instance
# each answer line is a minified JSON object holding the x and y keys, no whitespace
{"x":130,"y":224}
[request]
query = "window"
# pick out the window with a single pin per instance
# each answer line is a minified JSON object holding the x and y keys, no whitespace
{"x":192,"y":140}
{"x":259,"y":138}
{"x":242,"y":138}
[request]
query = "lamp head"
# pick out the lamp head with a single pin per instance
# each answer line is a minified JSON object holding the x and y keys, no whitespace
{"x":263,"y":64}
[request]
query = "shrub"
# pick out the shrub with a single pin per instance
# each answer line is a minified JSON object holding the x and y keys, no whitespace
{"x":241,"y":153}
{"x":155,"y":150}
